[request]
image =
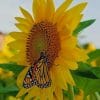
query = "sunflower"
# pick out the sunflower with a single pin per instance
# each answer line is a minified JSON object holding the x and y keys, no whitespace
{"x":5,"y":52}
{"x":45,"y":42}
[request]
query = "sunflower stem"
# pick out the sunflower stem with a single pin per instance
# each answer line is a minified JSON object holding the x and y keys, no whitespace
{"x":71,"y":92}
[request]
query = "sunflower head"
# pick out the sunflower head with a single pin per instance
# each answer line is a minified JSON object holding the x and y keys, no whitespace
{"x":43,"y":37}
{"x":45,"y":45}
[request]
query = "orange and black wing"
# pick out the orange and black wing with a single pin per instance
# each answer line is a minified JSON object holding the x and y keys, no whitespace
{"x":38,"y":75}
{"x":42,"y":76}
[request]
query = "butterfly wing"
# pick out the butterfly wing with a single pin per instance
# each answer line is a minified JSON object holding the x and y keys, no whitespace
{"x":42,"y":75}
{"x":37,"y":75}
{"x":28,"y":80}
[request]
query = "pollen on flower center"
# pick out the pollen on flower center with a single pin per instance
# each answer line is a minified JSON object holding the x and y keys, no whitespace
{"x":43,"y":37}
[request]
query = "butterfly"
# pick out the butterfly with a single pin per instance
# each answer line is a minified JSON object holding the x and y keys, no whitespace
{"x":38,"y":74}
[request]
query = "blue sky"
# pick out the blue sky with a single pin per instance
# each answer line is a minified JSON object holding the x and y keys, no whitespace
{"x":9,"y":9}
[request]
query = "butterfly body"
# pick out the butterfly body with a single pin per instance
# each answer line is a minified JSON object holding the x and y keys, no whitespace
{"x":38,"y":74}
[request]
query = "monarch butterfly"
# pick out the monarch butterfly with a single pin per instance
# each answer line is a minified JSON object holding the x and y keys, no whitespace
{"x":38,"y":74}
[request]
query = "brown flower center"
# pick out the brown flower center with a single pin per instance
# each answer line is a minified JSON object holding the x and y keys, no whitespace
{"x":43,"y":37}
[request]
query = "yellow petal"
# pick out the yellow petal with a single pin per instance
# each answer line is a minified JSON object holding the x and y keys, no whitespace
{"x":71,"y":65}
{"x":61,"y":9}
{"x":69,"y":43}
{"x":50,"y":9}
{"x":22,"y":92}
{"x":68,"y":15}
{"x":39,"y":7}
{"x":24,"y":21}
{"x":34,"y":92}
{"x":69,"y":78}
{"x":50,"y":93}
{"x":58,"y":78}
{"x":77,"y":9}
{"x":21,"y":77}
{"x":58,"y":93}
{"x":64,"y":32}
{"x":17,"y":45}
{"x":67,"y":64}
{"x":43,"y":8}
{"x":23,"y":28}
{"x":36,"y":11}
{"x":68,"y":55}
{"x":18,"y":35}
{"x":20,"y":58}
{"x":81,"y":54}
{"x":42,"y":95}
{"x":74,"y":22}
{"x":27,"y":15}
{"x":29,"y":97}
{"x":75,"y":54}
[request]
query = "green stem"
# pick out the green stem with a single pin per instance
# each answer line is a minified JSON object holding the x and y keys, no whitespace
{"x":97,"y":95}
{"x":71,"y":92}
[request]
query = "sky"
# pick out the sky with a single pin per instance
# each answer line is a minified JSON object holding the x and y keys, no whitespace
{"x":10,"y":8}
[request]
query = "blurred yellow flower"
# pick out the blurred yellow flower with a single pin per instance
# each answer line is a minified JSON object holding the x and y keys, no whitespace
{"x":5,"y":52}
{"x":5,"y":74}
{"x":1,"y":71}
{"x":90,"y":47}
{"x":46,"y":43}
{"x":80,"y":96}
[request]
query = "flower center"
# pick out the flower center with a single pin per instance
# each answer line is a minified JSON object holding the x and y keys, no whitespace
{"x":43,"y":37}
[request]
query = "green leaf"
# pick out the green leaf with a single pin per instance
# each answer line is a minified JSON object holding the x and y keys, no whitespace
{"x":84,"y":66}
{"x":88,"y":85}
{"x":86,"y":70}
{"x":12,"y":67}
{"x":8,"y":89}
{"x":94,"y":55}
{"x":96,"y":71}
{"x":87,"y":78}
{"x":82,"y":26}
{"x":8,"y":85}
